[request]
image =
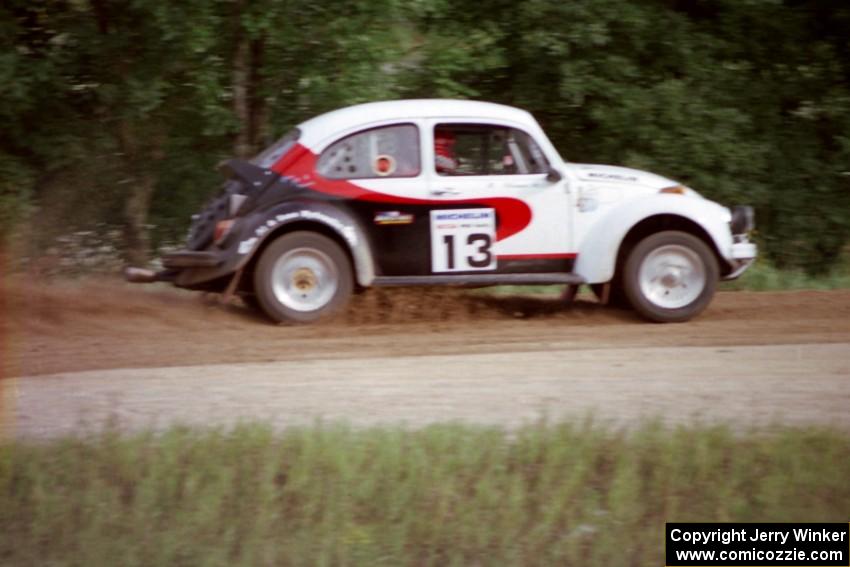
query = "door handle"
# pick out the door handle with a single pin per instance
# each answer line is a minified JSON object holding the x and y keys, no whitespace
{"x":444,"y":191}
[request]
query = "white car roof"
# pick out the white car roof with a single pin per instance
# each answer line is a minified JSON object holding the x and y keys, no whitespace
{"x":318,"y":129}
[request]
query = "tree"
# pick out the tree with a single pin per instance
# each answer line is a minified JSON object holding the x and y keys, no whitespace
{"x":128,"y":105}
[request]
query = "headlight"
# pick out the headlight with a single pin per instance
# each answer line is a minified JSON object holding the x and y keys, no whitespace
{"x":743,"y":219}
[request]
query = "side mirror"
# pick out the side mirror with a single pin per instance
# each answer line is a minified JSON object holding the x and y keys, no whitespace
{"x":553,"y":175}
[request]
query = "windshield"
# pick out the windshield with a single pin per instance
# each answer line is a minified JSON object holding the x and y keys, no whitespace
{"x":270,"y":155}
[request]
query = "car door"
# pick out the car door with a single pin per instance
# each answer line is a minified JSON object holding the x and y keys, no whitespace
{"x":379,"y":171}
{"x":496,"y":207}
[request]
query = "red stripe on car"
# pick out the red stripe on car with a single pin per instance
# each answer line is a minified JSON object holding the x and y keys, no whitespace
{"x":513,"y":215}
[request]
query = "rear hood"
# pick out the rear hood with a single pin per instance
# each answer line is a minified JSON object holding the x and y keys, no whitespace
{"x":611,"y":174}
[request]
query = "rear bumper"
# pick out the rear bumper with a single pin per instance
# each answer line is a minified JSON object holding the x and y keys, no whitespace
{"x":192,"y":259}
{"x":174,"y":263}
{"x":143,"y":275}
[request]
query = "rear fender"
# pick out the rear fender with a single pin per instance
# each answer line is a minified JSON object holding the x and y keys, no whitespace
{"x":252,"y":231}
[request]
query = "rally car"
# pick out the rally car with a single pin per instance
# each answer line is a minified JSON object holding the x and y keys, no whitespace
{"x":450,"y":192}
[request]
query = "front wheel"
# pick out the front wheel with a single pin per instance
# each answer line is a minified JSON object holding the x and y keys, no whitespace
{"x":670,"y":277}
{"x":302,"y":277}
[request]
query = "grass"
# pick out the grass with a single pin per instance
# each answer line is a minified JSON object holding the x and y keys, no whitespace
{"x":561,"y":494}
{"x":763,"y":276}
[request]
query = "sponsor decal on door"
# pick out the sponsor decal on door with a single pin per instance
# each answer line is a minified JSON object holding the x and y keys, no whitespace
{"x":462,"y":240}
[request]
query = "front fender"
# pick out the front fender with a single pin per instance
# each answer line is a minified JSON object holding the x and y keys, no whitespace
{"x":251,"y":231}
{"x":597,"y":251}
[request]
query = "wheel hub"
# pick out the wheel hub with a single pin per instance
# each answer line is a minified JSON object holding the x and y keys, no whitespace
{"x":672,"y":276}
{"x":304,"y":279}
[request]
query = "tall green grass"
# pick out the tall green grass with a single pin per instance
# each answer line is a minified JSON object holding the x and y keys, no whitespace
{"x":447,"y":495}
{"x":764,"y":276}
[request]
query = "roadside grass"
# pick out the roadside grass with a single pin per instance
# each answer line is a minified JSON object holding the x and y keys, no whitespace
{"x":764,"y":276}
{"x":549,"y":494}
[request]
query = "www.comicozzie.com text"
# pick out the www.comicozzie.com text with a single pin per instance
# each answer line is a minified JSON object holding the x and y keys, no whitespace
{"x":726,"y":536}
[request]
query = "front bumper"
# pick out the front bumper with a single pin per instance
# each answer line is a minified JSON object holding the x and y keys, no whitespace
{"x":743,"y":251}
{"x":742,"y":254}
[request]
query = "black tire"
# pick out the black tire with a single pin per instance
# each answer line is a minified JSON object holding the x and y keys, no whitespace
{"x":302,"y":277}
{"x":679,"y":273}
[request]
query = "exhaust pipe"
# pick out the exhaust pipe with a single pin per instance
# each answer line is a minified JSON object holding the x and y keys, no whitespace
{"x":140,"y":275}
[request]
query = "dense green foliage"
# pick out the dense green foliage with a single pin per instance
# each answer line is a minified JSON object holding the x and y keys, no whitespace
{"x":115,"y":113}
{"x":445,"y":495}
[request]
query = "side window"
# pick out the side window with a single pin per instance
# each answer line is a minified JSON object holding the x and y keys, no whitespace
{"x":477,"y":149}
{"x":389,"y":151}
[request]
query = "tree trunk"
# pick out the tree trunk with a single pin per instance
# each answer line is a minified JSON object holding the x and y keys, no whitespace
{"x":259,"y":109}
{"x":139,"y":163}
{"x":241,"y":98}
{"x":137,"y":246}
{"x":249,"y":106}
{"x":136,"y":236}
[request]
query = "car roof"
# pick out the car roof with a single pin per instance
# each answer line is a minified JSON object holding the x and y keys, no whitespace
{"x":318,"y":129}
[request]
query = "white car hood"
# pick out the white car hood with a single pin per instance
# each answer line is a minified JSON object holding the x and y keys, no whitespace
{"x":611,"y":174}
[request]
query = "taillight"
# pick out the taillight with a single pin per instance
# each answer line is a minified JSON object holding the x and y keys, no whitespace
{"x":222,"y":229}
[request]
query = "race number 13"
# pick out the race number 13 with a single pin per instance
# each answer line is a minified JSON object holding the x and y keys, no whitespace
{"x":462,"y":240}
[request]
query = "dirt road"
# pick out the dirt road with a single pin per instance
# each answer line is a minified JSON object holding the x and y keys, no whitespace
{"x":84,"y":355}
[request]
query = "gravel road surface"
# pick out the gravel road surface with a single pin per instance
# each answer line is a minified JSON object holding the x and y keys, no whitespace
{"x":77,"y":358}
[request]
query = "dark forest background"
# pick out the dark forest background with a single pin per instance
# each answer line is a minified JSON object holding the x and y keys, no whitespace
{"x":114,"y":113}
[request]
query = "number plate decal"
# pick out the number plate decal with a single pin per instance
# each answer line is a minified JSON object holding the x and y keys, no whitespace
{"x":462,"y":240}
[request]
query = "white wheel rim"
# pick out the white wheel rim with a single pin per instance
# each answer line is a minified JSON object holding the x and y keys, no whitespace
{"x":304,"y":279}
{"x":672,"y":276}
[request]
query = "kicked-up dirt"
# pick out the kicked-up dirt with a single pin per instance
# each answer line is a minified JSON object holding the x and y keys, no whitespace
{"x":78,"y":356}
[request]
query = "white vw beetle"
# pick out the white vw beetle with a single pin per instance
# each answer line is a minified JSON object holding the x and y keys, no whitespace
{"x":429,"y":192}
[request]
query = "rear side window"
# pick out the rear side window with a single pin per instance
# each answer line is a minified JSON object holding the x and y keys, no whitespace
{"x":389,"y":151}
{"x":479,"y":149}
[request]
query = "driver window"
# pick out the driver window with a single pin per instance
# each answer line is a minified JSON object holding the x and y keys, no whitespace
{"x":389,"y":151}
{"x":477,"y":149}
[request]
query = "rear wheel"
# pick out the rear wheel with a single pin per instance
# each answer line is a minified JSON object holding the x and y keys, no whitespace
{"x":302,"y":277}
{"x":670,"y":277}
